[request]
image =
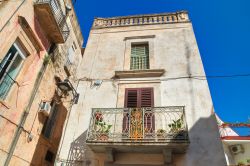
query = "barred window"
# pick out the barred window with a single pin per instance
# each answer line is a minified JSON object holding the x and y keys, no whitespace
{"x":139,"y":56}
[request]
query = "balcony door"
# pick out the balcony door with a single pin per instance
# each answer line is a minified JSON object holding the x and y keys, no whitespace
{"x":138,"y":121}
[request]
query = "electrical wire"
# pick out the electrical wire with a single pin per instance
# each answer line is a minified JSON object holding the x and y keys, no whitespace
{"x":197,"y":77}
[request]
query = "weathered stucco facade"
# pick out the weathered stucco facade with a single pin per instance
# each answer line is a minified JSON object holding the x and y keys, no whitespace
{"x":47,"y":53}
{"x":104,"y":77}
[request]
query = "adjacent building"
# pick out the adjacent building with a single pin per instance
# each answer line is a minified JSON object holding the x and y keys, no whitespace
{"x":236,"y":147}
{"x":144,"y":100}
{"x":40,"y":50}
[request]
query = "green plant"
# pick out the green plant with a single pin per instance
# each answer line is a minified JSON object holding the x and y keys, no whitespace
{"x":248,"y":160}
{"x":161,"y":131}
{"x":241,"y":163}
{"x":46,"y":59}
{"x":102,"y":127}
{"x":176,"y":125}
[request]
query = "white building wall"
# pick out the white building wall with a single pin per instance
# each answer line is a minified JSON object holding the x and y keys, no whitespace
{"x":173,"y":47}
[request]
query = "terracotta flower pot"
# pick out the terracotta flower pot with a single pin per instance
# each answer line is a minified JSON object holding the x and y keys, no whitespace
{"x":103,"y":137}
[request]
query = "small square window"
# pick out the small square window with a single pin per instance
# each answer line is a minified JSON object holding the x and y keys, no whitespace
{"x":139,"y":56}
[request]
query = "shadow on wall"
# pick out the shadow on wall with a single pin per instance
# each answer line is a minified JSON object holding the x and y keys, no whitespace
{"x":41,"y":34}
{"x":80,"y":154}
{"x":205,"y":146}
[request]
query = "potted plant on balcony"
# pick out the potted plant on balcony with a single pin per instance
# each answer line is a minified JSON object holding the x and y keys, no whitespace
{"x":176,"y":128}
{"x":103,"y":130}
{"x":241,"y":163}
{"x":160,"y":133}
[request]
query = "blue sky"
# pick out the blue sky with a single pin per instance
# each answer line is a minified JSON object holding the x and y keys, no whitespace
{"x":222,"y":29}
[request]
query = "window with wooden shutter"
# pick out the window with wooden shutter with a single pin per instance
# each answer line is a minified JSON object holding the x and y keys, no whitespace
{"x":147,"y":100}
{"x":132,"y":98}
{"x":139,"y":56}
{"x":139,"y":98}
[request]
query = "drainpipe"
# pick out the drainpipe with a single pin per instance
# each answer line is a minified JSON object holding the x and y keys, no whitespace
{"x":12,"y":16}
{"x":25,"y":113}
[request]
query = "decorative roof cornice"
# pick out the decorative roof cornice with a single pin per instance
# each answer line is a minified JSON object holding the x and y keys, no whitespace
{"x":149,"y":19}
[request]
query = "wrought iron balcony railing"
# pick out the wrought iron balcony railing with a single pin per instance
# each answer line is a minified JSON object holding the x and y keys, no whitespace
{"x":55,"y":9}
{"x":136,"y":125}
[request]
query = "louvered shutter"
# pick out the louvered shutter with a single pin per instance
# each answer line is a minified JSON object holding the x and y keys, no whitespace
{"x":147,"y":100}
{"x":140,"y":97}
{"x":146,"y":97}
{"x":139,"y":57}
{"x":131,"y":101}
{"x":131,"y":98}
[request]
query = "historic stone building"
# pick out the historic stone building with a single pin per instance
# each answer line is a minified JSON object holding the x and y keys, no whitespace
{"x":40,"y":46}
{"x":144,"y":98}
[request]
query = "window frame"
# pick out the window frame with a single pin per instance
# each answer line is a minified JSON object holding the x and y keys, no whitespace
{"x":146,"y":64}
{"x":128,"y":40}
{"x":5,"y":73}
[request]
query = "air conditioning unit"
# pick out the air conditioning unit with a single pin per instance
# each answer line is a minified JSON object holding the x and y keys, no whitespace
{"x":45,"y":108}
{"x":235,"y":149}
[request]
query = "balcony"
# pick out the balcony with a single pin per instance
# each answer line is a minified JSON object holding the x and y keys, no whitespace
{"x":139,"y":130}
{"x":52,"y":19}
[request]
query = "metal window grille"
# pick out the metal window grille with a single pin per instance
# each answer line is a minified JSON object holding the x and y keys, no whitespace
{"x":139,"y":57}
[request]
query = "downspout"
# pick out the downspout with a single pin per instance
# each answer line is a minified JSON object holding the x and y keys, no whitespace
{"x":25,"y":113}
{"x":12,"y":15}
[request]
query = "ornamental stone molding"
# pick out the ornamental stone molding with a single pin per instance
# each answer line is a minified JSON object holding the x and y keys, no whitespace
{"x":162,"y":18}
